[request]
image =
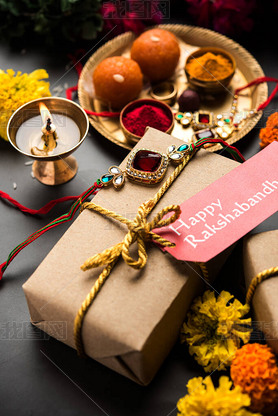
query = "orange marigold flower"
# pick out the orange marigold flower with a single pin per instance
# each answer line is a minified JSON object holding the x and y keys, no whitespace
{"x":270,"y":132}
{"x":254,"y":369}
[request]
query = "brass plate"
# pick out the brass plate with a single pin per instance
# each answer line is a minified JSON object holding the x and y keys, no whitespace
{"x":190,"y":38}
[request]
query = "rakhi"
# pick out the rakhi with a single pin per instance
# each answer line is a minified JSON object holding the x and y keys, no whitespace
{"x":208,"y":125}
{"x":177,"y":155}
{"x":149,"y":167}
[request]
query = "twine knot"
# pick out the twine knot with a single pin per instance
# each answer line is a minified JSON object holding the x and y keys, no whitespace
{"x":139,"y":230}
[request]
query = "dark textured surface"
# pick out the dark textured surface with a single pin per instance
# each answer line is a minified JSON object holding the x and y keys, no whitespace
{"x":40,"y":376}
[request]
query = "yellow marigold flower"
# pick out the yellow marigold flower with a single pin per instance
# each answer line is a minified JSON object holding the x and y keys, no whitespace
{"x":254,"y":369}
{"x":203,"y":399}
{"x":18,"y":89}
{"x":214,"y":329}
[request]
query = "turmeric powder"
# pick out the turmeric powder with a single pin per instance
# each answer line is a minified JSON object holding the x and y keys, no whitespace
{"x":209,"y":67}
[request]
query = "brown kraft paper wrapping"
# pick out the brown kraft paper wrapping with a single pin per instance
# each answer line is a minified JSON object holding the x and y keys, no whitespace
{"x":134,"y":321}
{"x":261,"y":253}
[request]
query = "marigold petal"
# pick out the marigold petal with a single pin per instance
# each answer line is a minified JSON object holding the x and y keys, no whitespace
{"x":39,"y":74}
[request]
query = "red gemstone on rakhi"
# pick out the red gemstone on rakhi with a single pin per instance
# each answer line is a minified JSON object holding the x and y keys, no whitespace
{"x":146,"y":161}
{"x":204,"y":118}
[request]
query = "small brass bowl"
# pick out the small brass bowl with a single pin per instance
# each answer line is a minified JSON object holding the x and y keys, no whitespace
{"x":133,"y":138}
{"x":216,"y":86}
{"x":165,"y":91}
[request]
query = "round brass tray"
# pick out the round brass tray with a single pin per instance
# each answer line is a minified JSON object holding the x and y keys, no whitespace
{"x":190,"y":38}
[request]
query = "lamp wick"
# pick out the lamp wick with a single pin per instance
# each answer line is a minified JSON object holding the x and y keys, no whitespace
{"x":48,"y":125}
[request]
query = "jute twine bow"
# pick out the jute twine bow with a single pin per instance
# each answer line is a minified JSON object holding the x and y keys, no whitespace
{"x":140,"y":231}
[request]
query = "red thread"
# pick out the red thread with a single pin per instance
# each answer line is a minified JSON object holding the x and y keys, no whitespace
{"x":201,"y":143}
{"x":102,"y":114}
{"x":258,"y":81}
{"x":44,"y":210}
{"x":69,"y":92}
{"x":270,"y":98}
{"x":64,"y":218}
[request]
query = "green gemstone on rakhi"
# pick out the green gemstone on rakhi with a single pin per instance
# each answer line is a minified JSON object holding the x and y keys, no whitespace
{"x":179,"y":116}
{"x":183,"y":147}
{"x":227,"y":120}
{"x":106,"y":178}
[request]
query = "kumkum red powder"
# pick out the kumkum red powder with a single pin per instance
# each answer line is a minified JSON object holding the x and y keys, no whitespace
{"x":147,"y":115}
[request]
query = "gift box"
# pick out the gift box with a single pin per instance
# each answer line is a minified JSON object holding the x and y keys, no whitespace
{"x":261,"y":253}
{"x":135,"y":319}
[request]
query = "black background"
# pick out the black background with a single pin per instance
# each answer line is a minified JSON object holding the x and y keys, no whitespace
{"x":39,"y":375}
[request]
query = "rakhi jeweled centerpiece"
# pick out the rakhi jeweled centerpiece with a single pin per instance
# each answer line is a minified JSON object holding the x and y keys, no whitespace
{"x":145,"y":166}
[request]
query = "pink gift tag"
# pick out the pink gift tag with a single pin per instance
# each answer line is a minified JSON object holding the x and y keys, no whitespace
{"x":226,"y":210}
